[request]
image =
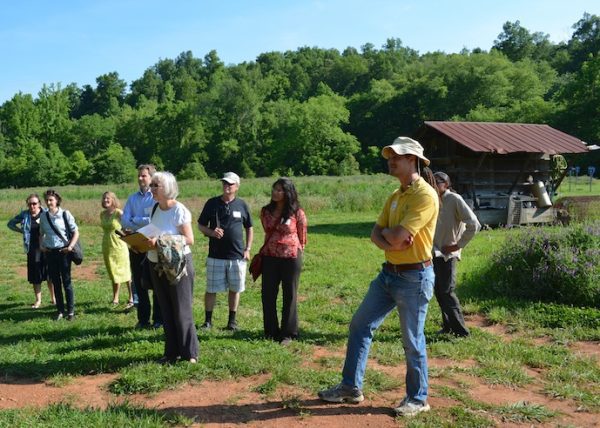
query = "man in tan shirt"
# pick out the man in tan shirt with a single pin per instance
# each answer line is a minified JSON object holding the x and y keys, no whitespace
{"x":456,"y":226}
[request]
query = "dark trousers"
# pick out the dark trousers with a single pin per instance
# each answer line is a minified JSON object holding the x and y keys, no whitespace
{"x":445,"y":284}
{"x":276,"y":270}
{"x":59,"y":270}
{"x":181,"y":339}
{"x":141,"y":281}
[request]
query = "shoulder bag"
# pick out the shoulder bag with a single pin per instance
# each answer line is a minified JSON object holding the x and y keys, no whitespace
{"x":76,"y":255}
{"x":255,"y":267}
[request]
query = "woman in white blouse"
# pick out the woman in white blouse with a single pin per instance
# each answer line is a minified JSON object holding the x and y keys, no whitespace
{"x":175,"y":296}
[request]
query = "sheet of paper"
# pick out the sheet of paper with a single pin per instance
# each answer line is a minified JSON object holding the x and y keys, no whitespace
{"x":150,"y":231}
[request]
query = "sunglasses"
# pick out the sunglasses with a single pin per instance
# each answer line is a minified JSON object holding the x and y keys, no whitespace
{"x":32,"y":203}
{"x":154,"y":185}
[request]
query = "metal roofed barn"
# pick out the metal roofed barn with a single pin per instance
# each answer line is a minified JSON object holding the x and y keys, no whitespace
{"x":508,"y":172}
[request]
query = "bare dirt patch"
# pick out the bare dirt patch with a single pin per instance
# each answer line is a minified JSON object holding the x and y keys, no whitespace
{"x":86,"y":271}
{"x":236,"y":403}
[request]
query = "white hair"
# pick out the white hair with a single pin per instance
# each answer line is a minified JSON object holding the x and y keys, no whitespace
{"x":168,"y":182}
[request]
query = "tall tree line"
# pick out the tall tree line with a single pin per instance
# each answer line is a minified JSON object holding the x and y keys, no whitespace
{"x":303,"y":112}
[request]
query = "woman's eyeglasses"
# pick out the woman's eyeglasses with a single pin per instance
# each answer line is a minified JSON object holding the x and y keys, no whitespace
{"x":32,"y":204}
{"x":155,"y":185}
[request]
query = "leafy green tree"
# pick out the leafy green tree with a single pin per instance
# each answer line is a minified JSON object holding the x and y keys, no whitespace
{"x":19,"y":118}
{"x":176,"y":134}
{"x":86,"y":104}
{"x":135,"y":129}
{"x":517,"y":43}
{"x":585,"y":41}
{"x":79,"y":171}
{"x":580,"y":105}
{"x":53,"y":105}
{"x":148,"y":86}
{"x":192,"y":171}
{"x":110,"y":93}
{"x":348,"y":74}
{"x":315,"y":143}
{"x":92,"y":134}
{"x":113,"y":165}
{"x":232,"y":116}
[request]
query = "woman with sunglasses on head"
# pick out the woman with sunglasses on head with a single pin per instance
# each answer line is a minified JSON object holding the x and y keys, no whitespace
{"x":285,"y":227}
{"x":56,"y":226}
{"x":172,"y":269}
{"x":27,"y":222}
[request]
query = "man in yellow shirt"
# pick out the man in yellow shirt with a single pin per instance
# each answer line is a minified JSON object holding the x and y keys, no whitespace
{"x":404,"y":230}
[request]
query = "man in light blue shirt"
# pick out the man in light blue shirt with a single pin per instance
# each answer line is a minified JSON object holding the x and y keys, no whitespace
{"x":136,"y":214}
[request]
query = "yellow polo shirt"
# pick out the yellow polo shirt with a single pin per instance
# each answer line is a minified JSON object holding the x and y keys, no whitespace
{"x":415,"y":209}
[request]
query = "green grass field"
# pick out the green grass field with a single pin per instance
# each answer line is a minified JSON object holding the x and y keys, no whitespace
{"x":339,"y":263}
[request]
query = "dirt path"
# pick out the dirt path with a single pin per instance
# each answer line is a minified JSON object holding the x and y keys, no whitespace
{"x":233,"y":403}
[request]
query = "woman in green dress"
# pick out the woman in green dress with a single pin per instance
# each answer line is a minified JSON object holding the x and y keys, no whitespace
{"x":115,"y":251}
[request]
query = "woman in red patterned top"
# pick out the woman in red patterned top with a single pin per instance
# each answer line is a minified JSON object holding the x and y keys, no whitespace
{"x":284,"y":223}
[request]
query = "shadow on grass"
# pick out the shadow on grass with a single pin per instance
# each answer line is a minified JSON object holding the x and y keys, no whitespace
{"x":248,"y":413}
{"x":309,"y":337}
{"x":19,"y":312}
{"x":355,"y":230}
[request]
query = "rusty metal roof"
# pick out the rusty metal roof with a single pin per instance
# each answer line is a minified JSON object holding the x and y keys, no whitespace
{"x":506,"y":138}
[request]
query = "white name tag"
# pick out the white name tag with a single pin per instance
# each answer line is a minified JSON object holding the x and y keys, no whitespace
{"x":237,"y":214}
{"x":394,"y":205}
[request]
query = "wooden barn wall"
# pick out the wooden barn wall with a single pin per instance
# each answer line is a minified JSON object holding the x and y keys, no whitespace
{"x":483,"y":173}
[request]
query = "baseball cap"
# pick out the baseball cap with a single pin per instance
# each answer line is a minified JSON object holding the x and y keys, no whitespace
{"x":231,"y":178}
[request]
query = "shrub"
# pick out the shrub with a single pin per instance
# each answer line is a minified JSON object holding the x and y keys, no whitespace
{"x":552,"y":265}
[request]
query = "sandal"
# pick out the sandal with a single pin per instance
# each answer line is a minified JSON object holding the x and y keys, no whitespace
{"x":35,"y":305}
{"x":129,"y":305}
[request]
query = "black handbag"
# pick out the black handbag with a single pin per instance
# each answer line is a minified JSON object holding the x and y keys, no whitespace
{"x":76,"y":255}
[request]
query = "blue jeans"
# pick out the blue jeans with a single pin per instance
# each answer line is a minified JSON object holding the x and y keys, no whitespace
{"x":410,"y":292}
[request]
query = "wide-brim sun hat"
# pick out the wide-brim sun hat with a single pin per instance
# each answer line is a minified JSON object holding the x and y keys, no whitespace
{"x":405,"y":146}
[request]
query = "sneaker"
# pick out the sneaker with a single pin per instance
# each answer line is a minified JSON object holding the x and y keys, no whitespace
{"x":206,"y":326}
{"x":70,"y":317}
{"x":286,"y":341}
{"x":232,"y":326}
{"x":58,"y":317}
{"x":142,"y":326}
{"x":157,"y":325}
{"x":410,"y":408}
{"x":342,"y":394}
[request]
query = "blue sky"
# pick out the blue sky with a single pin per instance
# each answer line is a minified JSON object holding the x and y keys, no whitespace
{"x":71,"y":41}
